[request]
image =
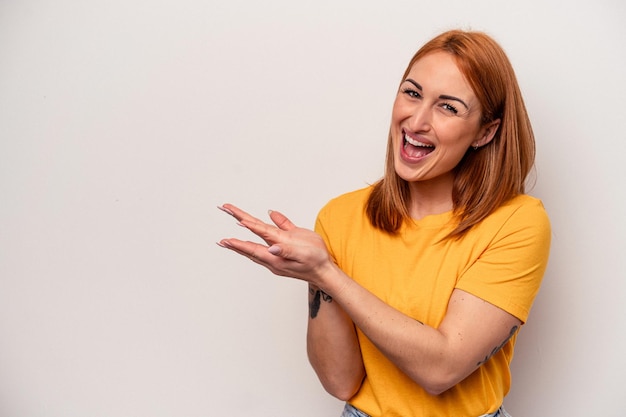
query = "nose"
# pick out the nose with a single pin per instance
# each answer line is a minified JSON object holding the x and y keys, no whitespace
{"x":420,"y":118}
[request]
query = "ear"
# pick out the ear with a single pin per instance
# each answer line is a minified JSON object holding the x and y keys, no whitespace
{"x":486,"y":134}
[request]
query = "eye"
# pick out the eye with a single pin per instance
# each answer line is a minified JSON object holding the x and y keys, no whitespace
{"x":449,"y":107}
{"x":411,"y":93}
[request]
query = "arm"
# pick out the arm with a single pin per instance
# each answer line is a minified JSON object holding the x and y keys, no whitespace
{"x":332,"y":346}
{"x":436,"y":359}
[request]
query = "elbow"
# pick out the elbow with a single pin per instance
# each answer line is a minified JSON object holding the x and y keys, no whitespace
{"x":342,"y":385}
{"x":438,"y":382}
{"x":342,"y":390}
{"x":341,"y":380}
{"x":436,"y":389}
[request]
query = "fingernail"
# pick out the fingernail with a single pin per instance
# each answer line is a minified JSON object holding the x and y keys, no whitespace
{"x":242,"y":225}
{"x":274,"y":250}
{"x":225,"y":210}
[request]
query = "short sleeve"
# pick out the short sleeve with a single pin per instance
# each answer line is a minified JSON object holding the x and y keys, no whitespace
{"x":509,"y":271}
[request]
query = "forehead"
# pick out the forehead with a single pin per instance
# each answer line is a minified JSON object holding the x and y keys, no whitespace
{"x":438,"y":73}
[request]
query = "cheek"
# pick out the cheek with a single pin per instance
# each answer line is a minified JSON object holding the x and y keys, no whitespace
{"x":396,"y":121}
{"x":399,"y":111}
{"x":457,"y":134}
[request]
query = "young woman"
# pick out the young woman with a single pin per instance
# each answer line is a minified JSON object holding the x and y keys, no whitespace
{"x":419,"y":284}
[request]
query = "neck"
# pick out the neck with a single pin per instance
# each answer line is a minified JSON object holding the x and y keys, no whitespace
{"x":430,"y":197}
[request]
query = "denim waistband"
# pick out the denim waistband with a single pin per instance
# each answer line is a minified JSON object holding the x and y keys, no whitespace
{"x":350,"y":411}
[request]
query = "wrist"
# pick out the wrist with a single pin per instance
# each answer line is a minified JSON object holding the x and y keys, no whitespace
{"x":333,"y":281}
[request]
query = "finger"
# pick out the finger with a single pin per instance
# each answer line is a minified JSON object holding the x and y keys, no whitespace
{"x":258,"y":254}
{"x":275,"y":250}
{"x":281,"y":220}
{"x":237,"y":213}
{"x":270,"y":234}
{"x":253,"y":251}
{"x":285,"y":251}
{"x":250,"y":222}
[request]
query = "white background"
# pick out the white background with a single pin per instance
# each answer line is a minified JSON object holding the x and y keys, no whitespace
{"x":124,"y":123}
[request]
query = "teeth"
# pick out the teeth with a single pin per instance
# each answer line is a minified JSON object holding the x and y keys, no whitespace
{"x":417,"y":143}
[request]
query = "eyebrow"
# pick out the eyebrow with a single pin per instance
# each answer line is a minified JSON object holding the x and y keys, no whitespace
{"x":443,"y":96}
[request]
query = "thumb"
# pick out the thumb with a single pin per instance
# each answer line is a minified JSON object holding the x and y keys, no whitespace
{"x":275,"y":250}
{"x":288,"y":252}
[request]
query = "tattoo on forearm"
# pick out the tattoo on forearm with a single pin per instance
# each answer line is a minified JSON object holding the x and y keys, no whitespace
{"x":497,"y":348}
{"x":315,"y":298}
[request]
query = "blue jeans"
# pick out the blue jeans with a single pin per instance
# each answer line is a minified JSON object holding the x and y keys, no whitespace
{"x":350,"y":411}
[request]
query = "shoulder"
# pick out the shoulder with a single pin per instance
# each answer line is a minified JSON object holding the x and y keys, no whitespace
{"x":520,"y":222}
{"x":511,"y":248}
{"x":351,"y":203}
{"x":522,"y":209}
{"x":344,"y":215}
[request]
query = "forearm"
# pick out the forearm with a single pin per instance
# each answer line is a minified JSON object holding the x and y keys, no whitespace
{"x":420,"y":351}
{"x":427,"y":355}
{"x":332,"y":346}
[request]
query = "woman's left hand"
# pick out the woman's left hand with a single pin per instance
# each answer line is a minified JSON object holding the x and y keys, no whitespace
{"x":291,"y":251}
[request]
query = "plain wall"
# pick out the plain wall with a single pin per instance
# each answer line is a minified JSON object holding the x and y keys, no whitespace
{"x":124,"y":123}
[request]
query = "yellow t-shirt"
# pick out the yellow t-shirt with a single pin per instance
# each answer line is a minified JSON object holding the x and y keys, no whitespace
{"x":501,"y":260}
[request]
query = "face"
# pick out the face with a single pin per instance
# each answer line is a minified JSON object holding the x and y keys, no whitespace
{"x":436,"y":118}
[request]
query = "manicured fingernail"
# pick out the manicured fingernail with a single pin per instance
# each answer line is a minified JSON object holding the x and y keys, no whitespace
{"x":242,"y":225}
{"x":221,"y":244}
{"x":225,"y":210}
{"x":274,"y":250}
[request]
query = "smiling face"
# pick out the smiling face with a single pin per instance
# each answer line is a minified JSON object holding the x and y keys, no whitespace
{"x":436,"y":118}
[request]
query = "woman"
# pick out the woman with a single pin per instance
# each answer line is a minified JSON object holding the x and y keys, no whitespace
{"x":419,"y":283}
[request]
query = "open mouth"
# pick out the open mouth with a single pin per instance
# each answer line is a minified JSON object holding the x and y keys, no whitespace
{"x":416,"y":149}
